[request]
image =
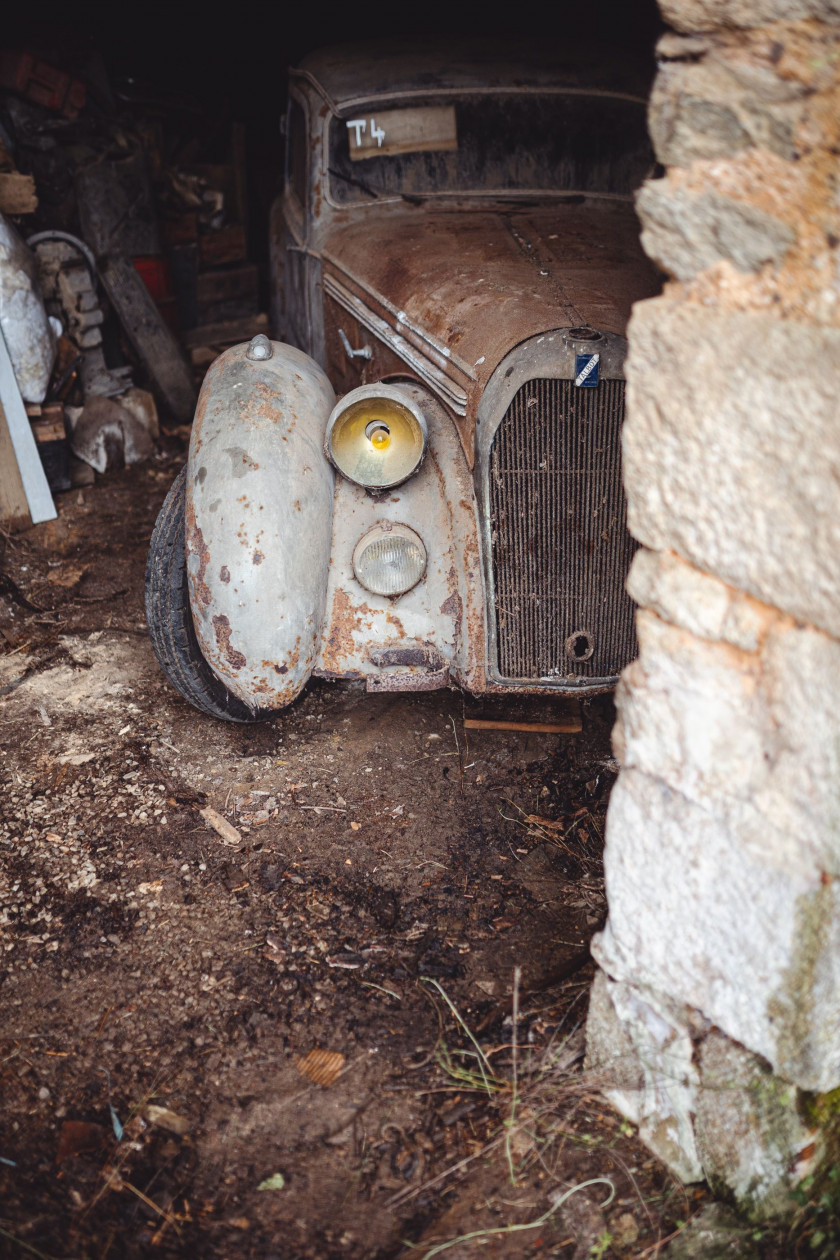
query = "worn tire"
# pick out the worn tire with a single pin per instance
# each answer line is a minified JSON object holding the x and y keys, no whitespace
{"x":170,"y":622}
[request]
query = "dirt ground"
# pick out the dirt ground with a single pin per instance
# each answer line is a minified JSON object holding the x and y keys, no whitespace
{"x":161,"y":990}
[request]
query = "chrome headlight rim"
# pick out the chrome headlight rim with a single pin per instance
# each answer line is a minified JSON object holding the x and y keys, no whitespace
{"x":373,"y":392}
{"x":386,"y":531}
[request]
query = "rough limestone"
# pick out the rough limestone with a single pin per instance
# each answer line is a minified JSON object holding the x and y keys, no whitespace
{"x":748,"y":1130}
{"x":732,"y":450}
{"x":719,"y":999}
{"x":686,"y":232}
{"x":639,"y":1047}
{"x":710,"y":101}
{"x":707,"y":15}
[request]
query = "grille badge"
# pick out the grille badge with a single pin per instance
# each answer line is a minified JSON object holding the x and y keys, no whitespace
{"x":586,"y":370}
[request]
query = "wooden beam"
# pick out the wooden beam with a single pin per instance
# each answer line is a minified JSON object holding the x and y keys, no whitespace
{"x":13,"y":505}
{"x":570,"y":727}
{"x":159,"y":352}
{"x":30,"y":468}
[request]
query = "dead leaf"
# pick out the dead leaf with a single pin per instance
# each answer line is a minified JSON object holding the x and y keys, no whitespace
{"x":166,"y":1119}
{"x":322,"y":1067}
{"x":67,"y":575}
{"x":549,"y":824}
{"x":226,"y":832}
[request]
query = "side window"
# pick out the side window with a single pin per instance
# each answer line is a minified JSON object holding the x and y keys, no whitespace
{"x":298,"y":150}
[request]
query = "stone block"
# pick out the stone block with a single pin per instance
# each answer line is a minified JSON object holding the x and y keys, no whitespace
{"x":715,"y":102}
{"x":698,"y":602}
{"x":749,"y":736}
{"x":732,"y":450}
{"x":685,"y":232}
{"x":691,"y":16}
{"x":748,"y":1130}
{"x":639,"y":1048}
{"x":720,"y":912}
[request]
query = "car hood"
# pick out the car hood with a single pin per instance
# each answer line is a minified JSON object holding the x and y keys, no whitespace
{"x":475,"y":283}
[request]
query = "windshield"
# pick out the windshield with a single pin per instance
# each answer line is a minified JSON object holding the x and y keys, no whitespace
{"x":512,"y":142}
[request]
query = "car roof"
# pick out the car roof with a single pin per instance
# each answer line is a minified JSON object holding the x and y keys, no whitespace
{"x":350,"y":72}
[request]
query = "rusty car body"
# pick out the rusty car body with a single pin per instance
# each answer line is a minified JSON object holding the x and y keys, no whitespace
{"x":455,"y":240}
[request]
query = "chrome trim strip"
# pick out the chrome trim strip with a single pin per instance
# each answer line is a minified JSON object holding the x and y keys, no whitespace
{"x":428,"y":371}
{"x":400,"y":317}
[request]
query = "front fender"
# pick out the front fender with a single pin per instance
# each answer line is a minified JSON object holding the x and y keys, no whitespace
{"x":259,"y":521}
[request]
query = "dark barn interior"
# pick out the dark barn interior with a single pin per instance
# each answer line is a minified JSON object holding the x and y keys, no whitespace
{"x":310,"y":988}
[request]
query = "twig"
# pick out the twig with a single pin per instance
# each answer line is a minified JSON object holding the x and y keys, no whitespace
{"x":458,"y":750}
{"x":368,"y":984}
{"x":517,"y":976}
{"x":26,"y":1246}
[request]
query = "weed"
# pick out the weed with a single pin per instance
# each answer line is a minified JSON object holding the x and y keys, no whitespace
{"x":484,"y":1078}
{"x":601,"y":1245}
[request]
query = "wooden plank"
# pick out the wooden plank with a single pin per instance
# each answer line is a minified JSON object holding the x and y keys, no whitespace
{"x":157,"y":349}
{"x":13,"y":505}
{"x":17,"y":193}
{"x":30,"y":468}
{"x":423,"y":129}
{"x":570,"y":727}
{"x":227,"y":331}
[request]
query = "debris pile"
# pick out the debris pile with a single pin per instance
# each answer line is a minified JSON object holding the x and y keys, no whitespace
{"x":124,"y":271}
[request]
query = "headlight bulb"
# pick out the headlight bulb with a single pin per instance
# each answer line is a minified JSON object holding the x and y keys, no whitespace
{"x":378,"y":434}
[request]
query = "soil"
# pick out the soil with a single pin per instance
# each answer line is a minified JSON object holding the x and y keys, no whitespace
{"x":161,"y":989}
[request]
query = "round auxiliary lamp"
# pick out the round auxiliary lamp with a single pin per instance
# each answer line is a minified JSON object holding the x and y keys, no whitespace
{"x":376,"y":436}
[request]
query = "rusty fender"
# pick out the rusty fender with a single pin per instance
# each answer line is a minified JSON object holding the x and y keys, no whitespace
{"x":259,"y":520}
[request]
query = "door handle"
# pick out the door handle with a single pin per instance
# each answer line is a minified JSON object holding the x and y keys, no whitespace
{"x":364,"y":353}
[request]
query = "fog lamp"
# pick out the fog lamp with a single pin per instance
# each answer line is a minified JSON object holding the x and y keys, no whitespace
{"x":376,"y":436}
{"x":389,"y":559}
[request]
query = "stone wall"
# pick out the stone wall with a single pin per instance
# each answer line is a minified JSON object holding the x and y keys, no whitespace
{"x":718,"y":1003}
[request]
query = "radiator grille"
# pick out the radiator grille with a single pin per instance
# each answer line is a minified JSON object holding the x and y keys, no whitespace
{"x":560,"y":544}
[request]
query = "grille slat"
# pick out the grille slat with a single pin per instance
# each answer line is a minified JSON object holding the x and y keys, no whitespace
{"x":560,"y":546}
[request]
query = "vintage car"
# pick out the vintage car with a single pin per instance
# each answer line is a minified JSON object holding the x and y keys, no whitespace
{"x":418,"y":483}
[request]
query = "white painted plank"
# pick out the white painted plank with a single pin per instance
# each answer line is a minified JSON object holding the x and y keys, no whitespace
{"x":41,"y":506}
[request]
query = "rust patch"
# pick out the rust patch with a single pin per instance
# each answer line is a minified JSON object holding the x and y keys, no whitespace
{"x":196,"y":546}
{"x":261,"y":405}
{"x":396,"y":623}
{"x":224,"y":574}
{"x":339,"y":643}
{"x":453,"y":606}
{"x":408,"y":680}
{"x":221,"y":626}
{"x":258,"y":557}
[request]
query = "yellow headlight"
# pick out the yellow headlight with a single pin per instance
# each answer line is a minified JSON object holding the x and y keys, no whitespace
{"x":376,"y":436}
